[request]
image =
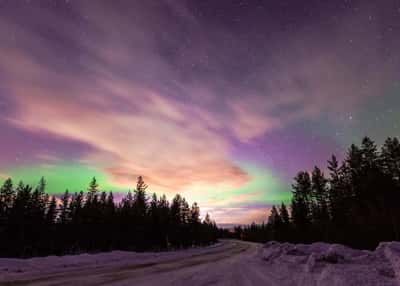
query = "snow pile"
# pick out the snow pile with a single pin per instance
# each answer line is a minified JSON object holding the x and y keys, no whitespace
{"x":333,"y":264}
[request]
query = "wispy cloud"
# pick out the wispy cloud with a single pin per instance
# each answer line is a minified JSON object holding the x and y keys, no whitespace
{"x":156,"y":90}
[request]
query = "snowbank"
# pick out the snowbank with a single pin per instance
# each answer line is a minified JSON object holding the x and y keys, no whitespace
{"x":227,"y":263}
{"x":13,"y":268}
{"x":333,"y":264}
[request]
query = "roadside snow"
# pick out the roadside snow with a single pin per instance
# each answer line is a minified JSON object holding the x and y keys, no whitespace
{"x":333,"y":264}
{"x":227,"y":263}
{"x":12,"y":268}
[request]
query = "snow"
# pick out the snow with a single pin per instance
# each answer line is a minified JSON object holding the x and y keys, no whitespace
{"x":16,"y":268}
{"x":227,"y":263}
{"x":333,"y":264}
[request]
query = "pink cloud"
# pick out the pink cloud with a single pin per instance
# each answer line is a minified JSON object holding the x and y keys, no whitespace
{"x":147,"y":113}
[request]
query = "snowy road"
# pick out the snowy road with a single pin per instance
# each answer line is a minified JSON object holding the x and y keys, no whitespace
{"x":228,"y":263}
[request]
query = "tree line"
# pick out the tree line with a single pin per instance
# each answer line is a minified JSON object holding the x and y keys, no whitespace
{"x":33,"y":223}
{"x":357,"y":204}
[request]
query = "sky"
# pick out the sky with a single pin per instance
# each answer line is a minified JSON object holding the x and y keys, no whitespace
{"x":221,"y":101}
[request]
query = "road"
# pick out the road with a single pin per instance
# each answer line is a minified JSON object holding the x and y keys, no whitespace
{"x":228,"y":263}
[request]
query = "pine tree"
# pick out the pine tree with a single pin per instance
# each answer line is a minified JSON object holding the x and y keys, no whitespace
{"x":207,"y":219}
{"x":284,"y":214}
{"x":22,"y":201}
{"x":139,"y":198}
{"x":274,"y":219}
{"x":93,"y":189}
{"x":7,"y":196}
{"x":75,"y":224}
{"x":320,"y":196}
{"x":353,"y":169}
{"x":369,"y":153}
{"x":76,"y":207}
{"x":65,"y":210}
{"x":176,"y":210}
{"x":103,"y":199}
{"x":154,"y":207}
{"x":51,"y":213}
{"x":337,"y":193}
{"x":195,"y":214}
{"x":110,"y":204}
{"x":301,"y":212}
{"x":390,"y":157}
{"x":127,"y":201}
{"x":38,"y":203}
{"x":103,"y":204}
{"x":185,"y":212}
{"x":165,"y":219}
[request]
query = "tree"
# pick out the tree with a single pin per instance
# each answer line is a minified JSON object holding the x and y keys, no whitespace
{"x":301,"y":213}
{"x":127,"y":201}
{"x":76,"y":207}
{"x":320,"y":196}
{"x":51,"y":210}
{"x":176,"y":210}
{"x":165,"y":219}
{"x":274,"y":219}
{"x":93,"y":189}
{"x":7,"y":195}
{"x":154,"y":209}
{"x":207,"y":219}
{"x":338,"y":207}
{"x":185,"y":212}
{"x":65,"y":210}
{"x":390,"y":158}
{"x":195,"y":214}
{"x":22,"y":202}
{"x":38,"y":203}
{"x":369,"y":153}
{"x":110,"y":204}
{"x":284,"y":214}
{"x":73,"y":224}
{"x":139,"y":198}
{"x":353,"y":170}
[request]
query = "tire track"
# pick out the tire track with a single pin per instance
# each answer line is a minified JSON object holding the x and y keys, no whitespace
{"x":105,"y":276}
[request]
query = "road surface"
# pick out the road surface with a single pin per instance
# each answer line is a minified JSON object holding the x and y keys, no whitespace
{"x":228,"y":263}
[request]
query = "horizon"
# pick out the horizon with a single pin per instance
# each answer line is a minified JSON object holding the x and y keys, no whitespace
{"x":221,"y":102}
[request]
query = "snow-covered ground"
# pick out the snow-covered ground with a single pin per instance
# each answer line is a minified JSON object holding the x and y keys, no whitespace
{"x":226,"y":263}
{"x":333,"y":264}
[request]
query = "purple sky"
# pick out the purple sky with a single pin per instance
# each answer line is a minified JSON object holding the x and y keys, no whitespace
{"x":223,"y":101}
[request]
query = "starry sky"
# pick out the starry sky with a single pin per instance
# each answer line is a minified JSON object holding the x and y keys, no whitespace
{"x":221,"y":101}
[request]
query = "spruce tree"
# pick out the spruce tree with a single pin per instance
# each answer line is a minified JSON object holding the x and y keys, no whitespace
{"x":274,"y":219}
{"x":140,"y":199}
{"x":7,"y":196}
{"x":284,"y":214}
{"x":390,"y":158}
{"x":301,"y":212}
{"x":195,"y":214}
{"x":65,"y":208}
{"x":207,"y":219}
{"x":38,"y":203}
{"x":51,"y":213}
{"x":93,"y":189}
{"x":320,"y":196}
{"x":369,"y":153}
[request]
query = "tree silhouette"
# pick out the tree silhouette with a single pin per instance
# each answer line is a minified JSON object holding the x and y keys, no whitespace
{"x":34,"y":223}
{"x":356,"y":205}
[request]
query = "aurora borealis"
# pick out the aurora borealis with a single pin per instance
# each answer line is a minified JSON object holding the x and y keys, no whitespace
{"x":221,"y":101}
